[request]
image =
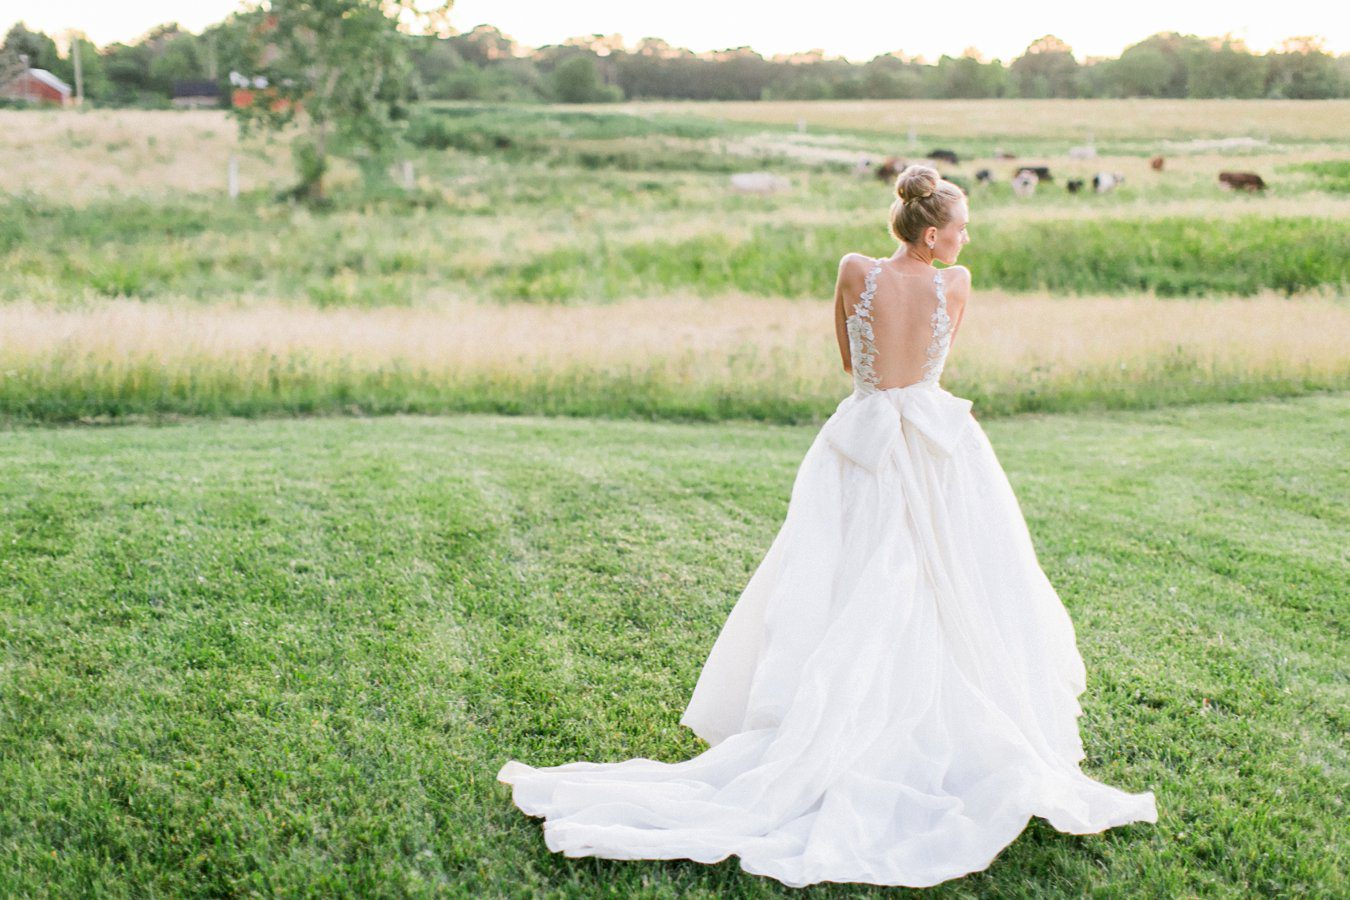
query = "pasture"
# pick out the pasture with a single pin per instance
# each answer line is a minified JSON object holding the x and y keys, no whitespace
{"x":275,"y":632}
{"x":535,"y":242}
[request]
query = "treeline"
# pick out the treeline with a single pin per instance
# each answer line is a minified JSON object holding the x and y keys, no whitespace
{"x":484,"y":64}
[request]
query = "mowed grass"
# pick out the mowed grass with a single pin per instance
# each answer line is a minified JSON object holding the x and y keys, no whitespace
{"x":288,"y":657}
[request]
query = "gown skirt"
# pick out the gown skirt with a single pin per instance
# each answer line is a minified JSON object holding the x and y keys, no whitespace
{"x":892,"y":697}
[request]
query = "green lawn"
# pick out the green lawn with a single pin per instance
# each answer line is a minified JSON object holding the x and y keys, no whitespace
{"x":287,"y":657}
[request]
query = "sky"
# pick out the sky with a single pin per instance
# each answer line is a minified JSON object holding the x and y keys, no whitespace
{"x":854,"y":29}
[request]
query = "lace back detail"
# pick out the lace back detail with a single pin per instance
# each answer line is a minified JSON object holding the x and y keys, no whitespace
{"x":861,"y":341}
{"x":942,"y":335}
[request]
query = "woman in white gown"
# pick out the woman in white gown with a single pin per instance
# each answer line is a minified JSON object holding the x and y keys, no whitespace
{"x":894,"y":694}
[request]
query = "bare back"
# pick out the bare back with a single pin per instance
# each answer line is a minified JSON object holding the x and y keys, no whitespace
{"x":899,"y":326}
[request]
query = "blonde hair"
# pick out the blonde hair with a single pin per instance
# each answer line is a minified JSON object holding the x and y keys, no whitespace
{"x":922,"y":198}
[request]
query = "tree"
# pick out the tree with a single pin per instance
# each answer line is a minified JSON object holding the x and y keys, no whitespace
{"x":38,"y":48}
{"x":97,"y":87}
{"x":1228,"y":69}
{"x":338,"y":69}
{"x":576,"y":80}
{"x":438,"y":69}
{"x":1046,"y":69}
{"x":969,"y":76}
{"x":1302,"y":70}
{"x":175,"y":56}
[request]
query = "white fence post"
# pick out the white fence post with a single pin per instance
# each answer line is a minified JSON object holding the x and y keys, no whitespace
{"x":233,"y":178}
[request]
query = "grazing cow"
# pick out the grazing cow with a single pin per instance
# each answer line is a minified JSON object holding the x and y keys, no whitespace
{"x":1087,"y":152}
{"x":1156,"y":162}
{"x":1024,"y":184}
{"x":984,"y":176}
{"x":892,"y":167}
{"x":758,"y":183}
{"x":1106,"y":181}
{"x":946,"y":155}
{"x":1042,"y":173}
{"x":1074,"y":185}
{"x":1244,"y":181}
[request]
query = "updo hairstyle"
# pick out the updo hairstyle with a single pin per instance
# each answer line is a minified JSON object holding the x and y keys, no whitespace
{"x":922,"y":198}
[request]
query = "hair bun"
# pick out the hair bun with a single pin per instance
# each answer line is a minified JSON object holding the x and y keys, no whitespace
{"x":916,"y":182}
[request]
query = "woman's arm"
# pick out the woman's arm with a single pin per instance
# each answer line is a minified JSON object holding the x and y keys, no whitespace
{"x":960,"y":297}
{"x":841,"y":313}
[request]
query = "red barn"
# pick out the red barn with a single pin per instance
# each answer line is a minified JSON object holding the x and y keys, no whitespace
{"x":37,"y":86}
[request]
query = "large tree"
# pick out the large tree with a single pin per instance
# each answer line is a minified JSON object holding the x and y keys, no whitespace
{"x":1046,"y":69}
{"x":37,"y":48}
{"x":337,"y":69}
{"x":1302,"y":70}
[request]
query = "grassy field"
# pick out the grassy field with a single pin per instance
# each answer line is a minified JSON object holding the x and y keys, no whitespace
{"x":271,"y":654}
{"x":1161,"y":124}
{"x":595,"y":261}
{"x":288,"y":657}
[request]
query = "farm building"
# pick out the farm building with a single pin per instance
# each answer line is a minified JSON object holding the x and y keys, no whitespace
{"x":37,"y":86}
{"x":196,"y":94}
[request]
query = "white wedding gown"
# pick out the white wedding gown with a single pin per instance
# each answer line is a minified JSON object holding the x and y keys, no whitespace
{"x":894,"y":694}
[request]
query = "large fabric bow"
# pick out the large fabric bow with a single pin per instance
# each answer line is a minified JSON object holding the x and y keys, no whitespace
{"x":867,"y":427}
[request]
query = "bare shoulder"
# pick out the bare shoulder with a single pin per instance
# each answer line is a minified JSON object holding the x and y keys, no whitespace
{"x":850,"y":269}
{"x":958,"y":279}
{"x":956,"y":274}
{"x":851,"y":261}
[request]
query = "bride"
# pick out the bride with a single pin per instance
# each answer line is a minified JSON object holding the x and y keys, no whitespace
{"x":894,"y":694}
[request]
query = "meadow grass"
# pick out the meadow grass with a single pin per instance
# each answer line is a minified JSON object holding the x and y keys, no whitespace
{"x":1134,"y":119}
{"x":532,"y":207}
{"x":288,"y":657}
{"x":391,"y":255}
{"x":676,"y":357}
{"x":565,"y":206}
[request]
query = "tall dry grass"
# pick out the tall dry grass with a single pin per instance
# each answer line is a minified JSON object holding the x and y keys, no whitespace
{"x":1013,"y":352}
{"x":78,"y":156}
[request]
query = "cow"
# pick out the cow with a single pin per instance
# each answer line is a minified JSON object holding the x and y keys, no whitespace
{"x":1106,"y":181}
{"x":1245,"y":181}
{"x":1042,"y":173}
{"x":1000,"y":153}
{"x":1157,"y":163}
{"x":984,"y":176}
{"x":946,"y":155}
{"x":892,"y":167}
{"x":1074,"y":185}
{"x":1024,"y":184}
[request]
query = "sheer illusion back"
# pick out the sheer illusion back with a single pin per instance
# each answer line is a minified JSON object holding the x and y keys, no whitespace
{"x":912,"y":330}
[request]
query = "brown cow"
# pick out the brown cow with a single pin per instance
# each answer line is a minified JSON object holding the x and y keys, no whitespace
{"x":1156,"y":162}
{"x":1245,"y":181}
{"x":892,"y":167}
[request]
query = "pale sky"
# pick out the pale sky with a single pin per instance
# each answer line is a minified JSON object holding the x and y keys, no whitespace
{"x":855,"y":29}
